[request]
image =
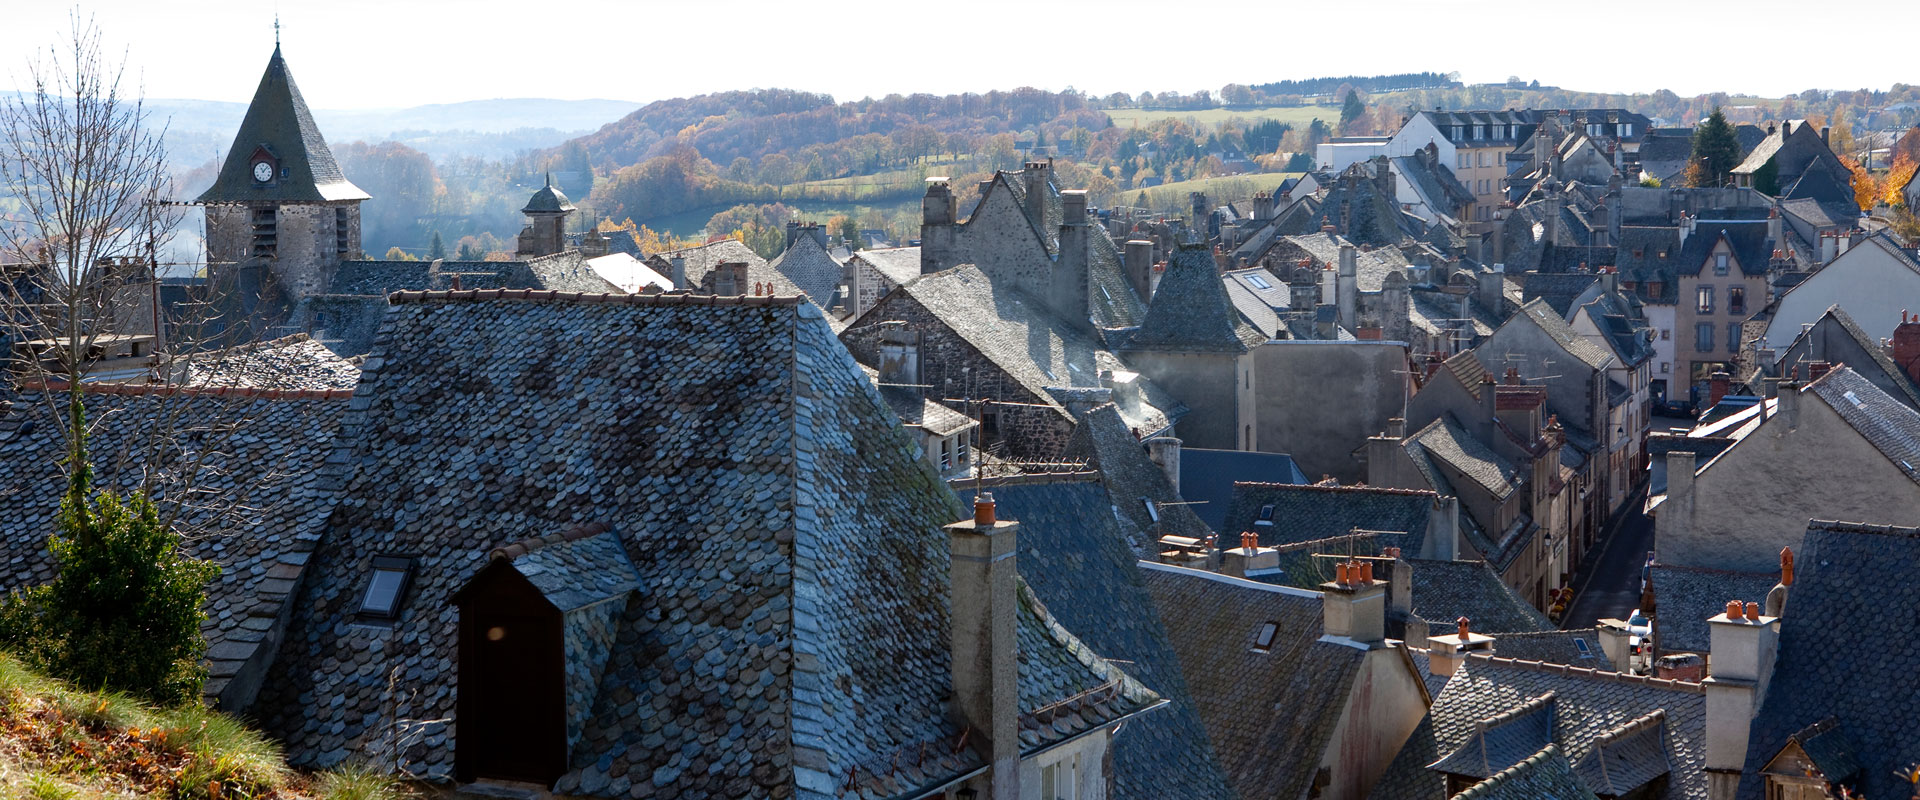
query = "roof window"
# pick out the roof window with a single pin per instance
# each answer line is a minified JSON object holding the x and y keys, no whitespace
{"x":1153,"y":511}
{"x":387,"y":587}
{"x":1266,"y":515}
{"x":1259,"y":282}
{"x":1263,"y":640}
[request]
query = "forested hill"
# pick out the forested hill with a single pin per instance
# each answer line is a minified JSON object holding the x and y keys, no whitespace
{"x":751,"y":124}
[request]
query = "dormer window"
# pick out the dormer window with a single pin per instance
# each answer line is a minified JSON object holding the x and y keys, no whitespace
{"x":387,"y":587}
{"x":1266,"y":515}
{"x":1479,"y":131}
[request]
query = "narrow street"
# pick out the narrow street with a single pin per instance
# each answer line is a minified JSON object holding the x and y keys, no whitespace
{"x":1608,"y":582}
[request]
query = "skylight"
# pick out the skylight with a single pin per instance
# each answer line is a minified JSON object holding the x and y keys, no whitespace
{"x":1263,"y":641}
{"x":387,"y":587}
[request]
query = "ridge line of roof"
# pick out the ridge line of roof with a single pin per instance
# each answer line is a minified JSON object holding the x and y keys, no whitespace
{"x":661,"y":299}
{"x":1347,"y":488}
{"x":1564,"y":669}
{"x":175,"y":389}
{"x":1242,"y":583}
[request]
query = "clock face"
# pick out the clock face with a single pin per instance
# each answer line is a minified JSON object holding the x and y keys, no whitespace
{"x":262,"y":171}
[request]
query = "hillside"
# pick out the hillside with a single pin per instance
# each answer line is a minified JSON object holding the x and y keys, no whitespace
{"x":56,"y":742}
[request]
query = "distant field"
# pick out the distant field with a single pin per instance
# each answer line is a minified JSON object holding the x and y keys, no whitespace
{"x":1228,"y":189}
{"x":1297,"y":116}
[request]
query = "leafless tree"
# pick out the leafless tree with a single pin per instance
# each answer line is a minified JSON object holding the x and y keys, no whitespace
{"x":86,"y":193}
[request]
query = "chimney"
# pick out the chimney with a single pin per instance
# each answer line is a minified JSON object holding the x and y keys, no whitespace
{"x":1740,"y":665}
{"x":1489,"y":407}
{"x":1354,"y":605}
{"x":1777,"y":597}
{"x":1816,"y":369}
{"x":1069,"y":288}
{"x":1443,"y":530}
{"x":1249,"y":560}
{"x":794,"y":232}
{"x":678,"y":266}
{"x":1680,"y":667}
{"x":1446,"y":653}
{"x":730,"y":278}
{"x":1676,"y":514}
{"x":1823,"y":134}
{"x":1036,"y":176}
{"x":1829,"y":246}
{"x":1616,"y":643}
{"x":1906,"y":345}
{"x":1346,"y":293}
{"x":1717,"y":386}
{"x":1788,"y":404}
{"x":986,"y":687}
{"x":939,"y":213}
{"x":1139,"y":265}
{"x":899,"y":355}
{"x":1491,"y":291}
{"x":1165,"y":451}
{"x":1786,"y":128}
{"x":1474,"y":246}
{"x":1262,"y":206}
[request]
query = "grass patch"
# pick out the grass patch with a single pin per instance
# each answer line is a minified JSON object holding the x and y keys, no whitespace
{"x":61,"y":743}
{"x":1297,"y":116}
{"x":1221,"y":190}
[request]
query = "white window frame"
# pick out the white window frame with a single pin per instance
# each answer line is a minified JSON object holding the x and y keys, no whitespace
{"x":1060,"y":779}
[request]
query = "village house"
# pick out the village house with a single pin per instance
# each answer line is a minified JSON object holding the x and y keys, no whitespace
{"x":1791,"y":162}
{"x":1826,"y":449}
{"x":611,"y":577}
{"x":1875,"y":281}
{"x":871,"y":274}
{"x":1893,"y":366}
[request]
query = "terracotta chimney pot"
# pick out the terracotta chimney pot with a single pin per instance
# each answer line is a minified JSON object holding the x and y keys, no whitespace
{"x":1753,"y":612}
{"x":983,"y":509}
{"x":1366,"y":572}
{"x":1340,"y":575}
{"x":1462,"y":622}
{"x":1786,"y":566}
{"x":1733,"y":610}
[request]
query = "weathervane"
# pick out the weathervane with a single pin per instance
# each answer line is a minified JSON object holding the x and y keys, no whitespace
{"x":276,"y":30}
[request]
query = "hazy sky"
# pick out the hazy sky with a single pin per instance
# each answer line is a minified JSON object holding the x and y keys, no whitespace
{"x":390,"y":53}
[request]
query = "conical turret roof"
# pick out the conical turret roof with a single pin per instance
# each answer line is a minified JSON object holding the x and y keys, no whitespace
{"x":549,"y":200}
{"x":279,"y":123}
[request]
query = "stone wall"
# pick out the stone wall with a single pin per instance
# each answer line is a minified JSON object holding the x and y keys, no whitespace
{"x":954,"y":368}
{"x":1320,"y":401}
{"x":1209,"y":385}
{"x":307,"y":242}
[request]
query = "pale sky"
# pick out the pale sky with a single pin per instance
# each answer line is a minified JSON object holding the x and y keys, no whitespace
{"x":354,"y":54}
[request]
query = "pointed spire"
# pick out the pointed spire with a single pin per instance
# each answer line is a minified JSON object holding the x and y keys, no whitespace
{"x":276,"y":33}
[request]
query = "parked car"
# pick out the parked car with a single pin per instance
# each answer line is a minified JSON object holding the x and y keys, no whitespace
{"x":1639,"y":628}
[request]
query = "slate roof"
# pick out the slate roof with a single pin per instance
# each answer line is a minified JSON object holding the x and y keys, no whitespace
{"x":1021,"y":336}
{"x":1556,"y":328}
{"x":628,"y":273}
{"x":1553,"y":647}
{"x":1190,"y":310}
{"x":1545,"y":775}
{"x":1646,"y":256}
{"x":788,"y":539}
{"x":1623,"y":327}
{"x":810,"y":267}
{"x":1558,"y":289}
{"x":548,"y":200}
{"x":1109,"y":295}
{"x":574,"y":569}
{"x":348,"y":316}
{"x":256,"y":506}
{"x":701,"y":260}
{"x":1212,"y":621}
{"x":1503,"y":740}
{"x":1872,"y":689}
{"x":916,"y":411}
{"x":1132,"y":478}
{"x":278,"y":120}
{"x":1444,"y":591}
{"x":1746,"y":238}
{"x":1207,"y":478}
{"x":1889,"y":425}
{"x":1589,"y":708}
{"x":1407,"y":776}
{"x":898,"y":264}
{"x":1435,"y":181}
{"x":292,"y":362}
{"x":1891,"y":375}
{"x":1079,"y":561}
{"x":1684,"y":597}
{"x":1309,"y":513}
{"x":1444,"y":442}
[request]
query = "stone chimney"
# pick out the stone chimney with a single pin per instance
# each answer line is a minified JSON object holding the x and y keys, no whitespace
{"x":1446,"y":653}
{"x":1069,"y":288}
{"x":678,"y":266}
{"x":1249,"y":560}
{"x":1718,"y":384}
{"x":1262,"y":206}
{"x":1680,"y":667}
{"x":730,"y":278}
{"x":1475,"y":244}
{"x":1491,"y":291}
{"x":1741,"y":663}
{"x":1616,"y":643}
{"x":939,"y":216}
{"x":1165,"y":451}
{"x":1906,"y":345}
{"x":899,"y":354}
{"x":1676,"y":514}
{"x":1354,"y":604}
{"x":1036,"y":176}
{"x":1787,"y":409}
{"x":1829,"y":246}
{"x":1346,"y":292}
{"x":1443,"y":529}
{"x":986,"y":686}
{"x":1817,"y":369}
{"x":1777,"y":597}
{"x":1139,"y":266}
